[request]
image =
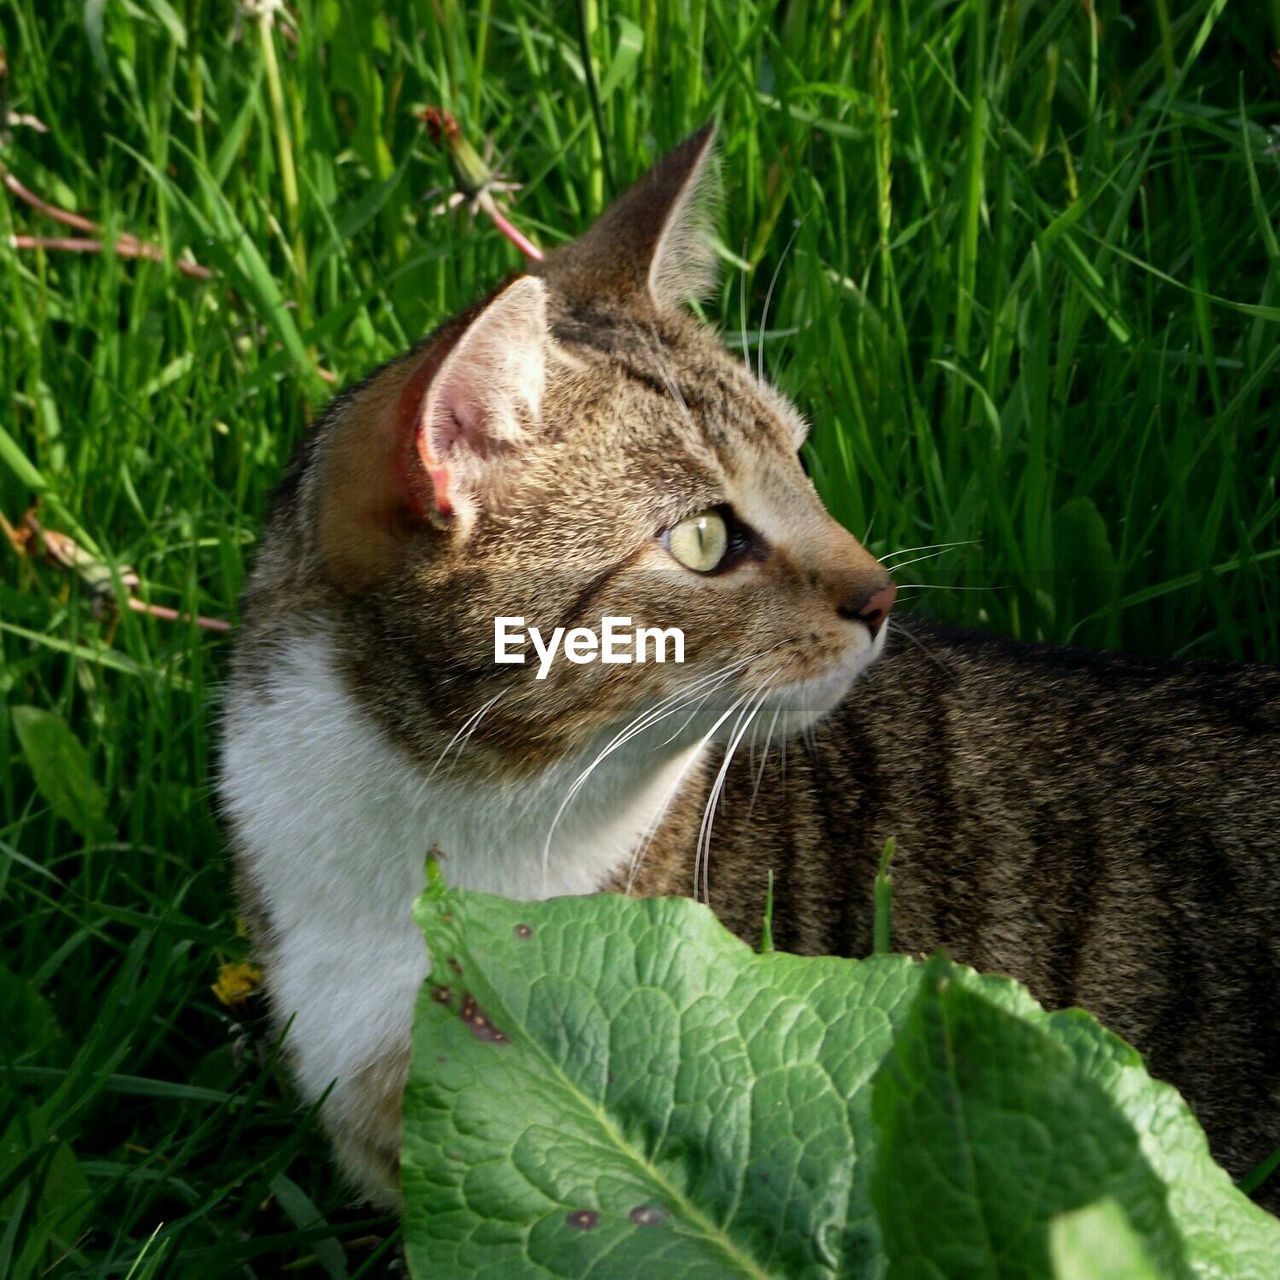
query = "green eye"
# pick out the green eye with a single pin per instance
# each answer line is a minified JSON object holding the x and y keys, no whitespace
{"x":699,"y":542}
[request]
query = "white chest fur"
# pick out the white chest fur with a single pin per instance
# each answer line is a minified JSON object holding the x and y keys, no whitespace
{"x":336,"y":823}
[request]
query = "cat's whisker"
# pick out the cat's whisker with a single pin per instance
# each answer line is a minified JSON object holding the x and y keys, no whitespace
{"x":672,"y":386}
{"x":466,"y":737}
{"x":702,"y":855}
{"x":764,"y":759}
{"x":660,"y":814}
{"x":899,"y":629}
{"x":641,"y":722}
{"x":933,"y":555}
{"x":464,"y":732}
{"x":768,"y":299}
{"x":694,"y":709}
{"x":938,"y":586}
{"x":637,"y":726}
{"x":633,"y":727}
{"x":715,"y":679}
{"x":931,"y":546}
{"x":751,"y":747}
{"x":668,"y":706}
{"x":703,"y":852}
{"x":684,"y":724}
{"x":806,"y":732}
{"x":715,"y":787}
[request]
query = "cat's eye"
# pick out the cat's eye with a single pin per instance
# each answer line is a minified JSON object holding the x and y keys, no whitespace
{"x":699,"y":542}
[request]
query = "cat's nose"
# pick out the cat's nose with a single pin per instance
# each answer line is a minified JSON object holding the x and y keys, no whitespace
{"x":871,"y":608}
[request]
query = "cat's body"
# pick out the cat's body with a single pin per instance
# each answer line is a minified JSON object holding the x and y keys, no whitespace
{"x":575,"y":446}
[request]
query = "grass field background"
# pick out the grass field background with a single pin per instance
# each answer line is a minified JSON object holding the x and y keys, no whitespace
{"x":1017,"y":262}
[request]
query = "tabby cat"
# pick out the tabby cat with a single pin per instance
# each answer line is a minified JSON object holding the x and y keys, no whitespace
{"x":577,"y":446}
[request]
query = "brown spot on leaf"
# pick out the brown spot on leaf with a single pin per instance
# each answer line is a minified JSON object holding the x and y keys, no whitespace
{"x":647,"y":1215}
{"x":583,"y":1219}
{"x":453,"y":964}
{"x":523,"y":931}
{"x":442,"y":995}
{"x":480,"y":1025}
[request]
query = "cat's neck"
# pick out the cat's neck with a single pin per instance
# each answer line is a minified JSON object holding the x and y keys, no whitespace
{"x":321,"y":785}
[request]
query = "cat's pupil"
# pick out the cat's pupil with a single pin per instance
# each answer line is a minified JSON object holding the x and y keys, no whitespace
{"x":699,"y":542}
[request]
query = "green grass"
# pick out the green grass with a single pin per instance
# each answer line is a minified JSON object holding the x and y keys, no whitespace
{"x":1027,"y":289}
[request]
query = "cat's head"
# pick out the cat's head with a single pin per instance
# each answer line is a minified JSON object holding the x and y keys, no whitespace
{"x":575,"y":446}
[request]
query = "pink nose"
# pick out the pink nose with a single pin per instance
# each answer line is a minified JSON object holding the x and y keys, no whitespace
{"x":873,"y":610}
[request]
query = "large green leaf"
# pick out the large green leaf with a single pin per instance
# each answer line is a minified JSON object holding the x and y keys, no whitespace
{"x":616,"y":1088}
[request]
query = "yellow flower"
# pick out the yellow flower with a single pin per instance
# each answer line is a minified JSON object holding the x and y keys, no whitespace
{"x":236,"y":983}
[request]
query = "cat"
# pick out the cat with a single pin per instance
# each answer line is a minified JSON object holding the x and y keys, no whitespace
{"x":577,"y":446}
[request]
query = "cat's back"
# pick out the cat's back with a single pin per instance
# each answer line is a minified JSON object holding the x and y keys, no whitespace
{"x":947,"y":704}
{"x":1027,"y":789}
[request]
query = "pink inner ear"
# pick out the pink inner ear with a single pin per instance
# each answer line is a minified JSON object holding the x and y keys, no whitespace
{"x":446,"y":419}
{"x":428,"y":443}
{"x":416,"y":450}
{"x":439,"y":477}
{"x":457,"y":418}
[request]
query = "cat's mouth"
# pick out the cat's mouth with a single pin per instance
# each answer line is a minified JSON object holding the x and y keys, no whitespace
{"x":771,"y":695}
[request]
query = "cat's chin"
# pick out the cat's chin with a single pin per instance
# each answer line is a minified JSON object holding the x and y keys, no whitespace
{"x":806,"y":702}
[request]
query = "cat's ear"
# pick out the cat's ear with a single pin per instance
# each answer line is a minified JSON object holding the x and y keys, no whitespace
{"x":427,"y":441}
{"x":652,"y":246}
{"x":480,"y":401}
